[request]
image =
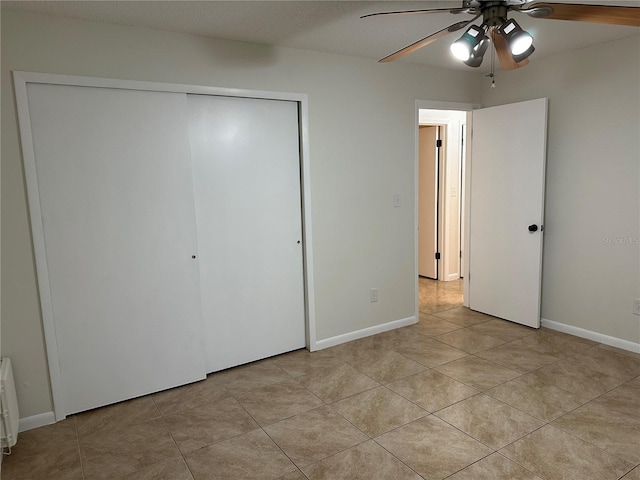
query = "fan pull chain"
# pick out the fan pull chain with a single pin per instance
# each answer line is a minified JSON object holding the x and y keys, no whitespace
{"x":492,"y":75}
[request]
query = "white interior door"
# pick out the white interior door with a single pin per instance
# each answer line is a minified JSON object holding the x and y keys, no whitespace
{"x":116,"y":195}
{"x":427,"y":201}
{"x":507,"y":200}
{"x":246,"y":163}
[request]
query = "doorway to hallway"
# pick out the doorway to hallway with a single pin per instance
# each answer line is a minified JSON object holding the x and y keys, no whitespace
{"x":435,"y":296}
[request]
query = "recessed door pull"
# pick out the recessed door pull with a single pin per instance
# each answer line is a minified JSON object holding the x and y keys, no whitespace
{"x":533,"y":228}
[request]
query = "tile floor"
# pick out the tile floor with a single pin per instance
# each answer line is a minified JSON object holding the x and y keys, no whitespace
{"x":460,"y":395}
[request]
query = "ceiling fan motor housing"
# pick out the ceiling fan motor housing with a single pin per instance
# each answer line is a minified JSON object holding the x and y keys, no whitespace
{"x":494,"y":14}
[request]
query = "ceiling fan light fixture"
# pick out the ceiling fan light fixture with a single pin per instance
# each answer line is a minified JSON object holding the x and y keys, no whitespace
{"x":520,"y":42}
{"x":477,"y":54}
{"x":469,"y":44}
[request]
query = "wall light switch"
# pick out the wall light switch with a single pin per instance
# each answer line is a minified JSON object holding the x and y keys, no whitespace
{"x":397,"y":200}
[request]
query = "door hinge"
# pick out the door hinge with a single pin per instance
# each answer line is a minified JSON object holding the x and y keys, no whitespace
{"x":437,"y":255}
{"x":438,"y":143}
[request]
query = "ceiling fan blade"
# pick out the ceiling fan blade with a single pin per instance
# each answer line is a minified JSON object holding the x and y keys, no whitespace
{"x":502,"y":50}
{"x":611,"y":14}
{"x":426,"y":41}
{"x":428,"y":10}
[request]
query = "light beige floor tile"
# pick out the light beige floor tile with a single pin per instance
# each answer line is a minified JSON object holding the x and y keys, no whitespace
{"x":555,"y":343}
{"x":384,"y":340}
{"x":278,"y":401}
{"x":429,"y":308}
{"x":189,"y":396}
{"x":386,"y":366}
{"x":395,"y":337}
{"x":577,"y":379}
{"x":367,"y":461}
{"x":556,"y":455}
{"x":531,"y":395}
{"x":607,"y":362}
{"x":494,"y":423}
{"x":297,"y":475}
{"x":518,"y":357}
{"x":44,"y":441}
{"x":431,"y":326}
{"x":348,"y":351}
{"x":494,"y":467}
{"x":59,"y":464}
{"x":115,"y":450}
{"x":469,"y":341}
{"x":432,"y":390}
{"x":314,"y":435}
{"x":210,"y":423}
{"x":45,"y":452}
{"x":129,"y":441}
{"x":430,"y":352}
{"x":138,"y":410}
{"x":633,"y":474}
{"x":172,"y":470}
{"x":463,"y":316}
{"x":434,"y":296}
{"x":379,"y":410}
{"x":433,"y":448}
{"x":254,"y":375}
{"x":302,"y":362}
{"x":477,"y":372}
{"x":252,"y":456}
{"x":610,"y":430}
{"x":331,"y":384}
{"x":624,"y":399}
{"x":620,"y":351}
{"x":503,"y":329}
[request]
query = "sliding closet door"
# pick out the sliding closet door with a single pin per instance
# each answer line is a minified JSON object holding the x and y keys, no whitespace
{"x":246,"y":166}
{"x":116,"y":194}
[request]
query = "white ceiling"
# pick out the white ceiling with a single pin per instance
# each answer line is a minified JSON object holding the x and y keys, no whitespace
{"x":327,"y":26}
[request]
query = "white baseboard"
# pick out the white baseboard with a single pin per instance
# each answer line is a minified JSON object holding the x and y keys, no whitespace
{"x":35,"y":421}
{"x":365,"y":332}
{"x":589,"y":335}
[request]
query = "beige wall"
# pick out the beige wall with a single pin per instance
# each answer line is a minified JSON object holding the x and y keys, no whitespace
{"x":591,"y":270}
{"x":361,"y":119}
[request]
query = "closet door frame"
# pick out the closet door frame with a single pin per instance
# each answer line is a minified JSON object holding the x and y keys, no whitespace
{"x":23,"y":79}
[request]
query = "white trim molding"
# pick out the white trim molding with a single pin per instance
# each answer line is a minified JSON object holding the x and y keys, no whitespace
{"x":365,"y":332}
{"x":35,"y":421}
{"x":590,"y":335}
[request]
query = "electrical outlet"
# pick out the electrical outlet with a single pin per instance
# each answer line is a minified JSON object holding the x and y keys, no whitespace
{"x":636,"y":306}
{"x":374,"y":295}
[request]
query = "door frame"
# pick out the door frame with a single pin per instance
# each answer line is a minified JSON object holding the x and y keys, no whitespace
{"x":22,"y":79}
{"x":440,"y":105}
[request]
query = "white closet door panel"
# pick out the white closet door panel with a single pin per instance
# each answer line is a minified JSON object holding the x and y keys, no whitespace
{"x":116,"y":194}
{"x":246,"y":166}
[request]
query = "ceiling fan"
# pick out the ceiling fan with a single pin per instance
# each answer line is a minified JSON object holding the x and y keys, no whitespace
{"x":512,"y":44}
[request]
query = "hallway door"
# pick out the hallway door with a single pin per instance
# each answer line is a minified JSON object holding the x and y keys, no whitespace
{"x":507,"y":209}
{"x":428,"y":201}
